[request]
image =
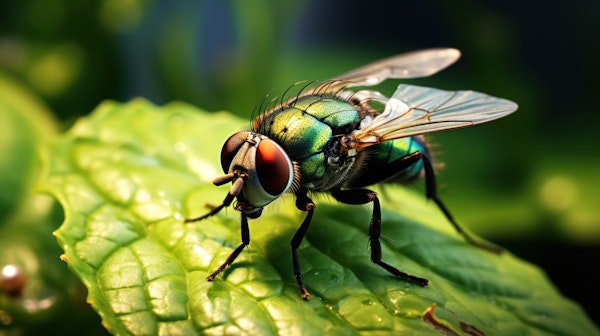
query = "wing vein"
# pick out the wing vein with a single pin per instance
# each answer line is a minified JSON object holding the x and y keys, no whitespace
{"x":440,"y":110}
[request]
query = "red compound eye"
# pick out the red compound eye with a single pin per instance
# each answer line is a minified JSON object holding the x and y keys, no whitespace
{"x":273,"y":167}
{"x":230,"y":149}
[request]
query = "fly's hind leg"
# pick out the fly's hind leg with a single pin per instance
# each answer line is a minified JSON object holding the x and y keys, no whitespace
{"x":364,"y":196}
{"x":431,"y":192}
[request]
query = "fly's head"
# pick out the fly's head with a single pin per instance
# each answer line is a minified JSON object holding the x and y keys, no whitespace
{"x":259,"y":168}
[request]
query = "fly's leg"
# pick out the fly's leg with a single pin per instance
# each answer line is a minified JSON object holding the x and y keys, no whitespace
{"x":245,"y":241}
{"x":239,"y":178}
{"x":431,"y":193}
{"x":303,"y":203}
{"x":226,"y":202}
{"x":363,"y":196}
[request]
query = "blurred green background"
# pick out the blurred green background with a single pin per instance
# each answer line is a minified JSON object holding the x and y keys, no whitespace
{"x":528,"y":182}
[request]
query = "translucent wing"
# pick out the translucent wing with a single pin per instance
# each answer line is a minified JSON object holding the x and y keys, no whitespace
{"x":421,"y":63}
{"x":415,"y":110}
{"x":414,"y":64}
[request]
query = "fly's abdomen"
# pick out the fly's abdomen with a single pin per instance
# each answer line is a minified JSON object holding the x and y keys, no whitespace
{"x":382,"y":162}
{"x":399,"y":148}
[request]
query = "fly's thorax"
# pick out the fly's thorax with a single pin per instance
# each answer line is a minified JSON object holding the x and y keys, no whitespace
{"x":337,"y":169}
{"x":306,"y":129}
{"x":329,"y":109}
{"x":263,"y":164}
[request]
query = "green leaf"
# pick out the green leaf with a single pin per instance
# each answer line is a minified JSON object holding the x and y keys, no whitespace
{"x":130,"y":173}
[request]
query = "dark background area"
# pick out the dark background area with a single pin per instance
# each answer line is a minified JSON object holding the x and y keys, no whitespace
{"x":528,"y":182}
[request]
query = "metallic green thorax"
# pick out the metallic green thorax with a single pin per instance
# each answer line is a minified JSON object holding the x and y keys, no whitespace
{"x":305,"y":129}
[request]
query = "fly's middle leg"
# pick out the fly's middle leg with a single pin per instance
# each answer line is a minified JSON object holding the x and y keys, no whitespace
{"x":364,"y":196}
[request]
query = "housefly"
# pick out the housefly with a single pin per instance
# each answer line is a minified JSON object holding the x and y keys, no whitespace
{"x":339,"y":137}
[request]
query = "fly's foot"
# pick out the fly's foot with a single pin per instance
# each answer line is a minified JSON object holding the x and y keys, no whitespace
{"x":483,"y":245}
{"x":404,"y":276}
{"x":214,"y":274}
{"x":303,"y":292}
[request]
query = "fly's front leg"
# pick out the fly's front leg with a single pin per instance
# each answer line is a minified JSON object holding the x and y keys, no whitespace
{"x":236,"y":188}
{"x":245,"y":241}
{"x":363,"y":196}
{"x":303,"y":203}
{"x":226,"y":202}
